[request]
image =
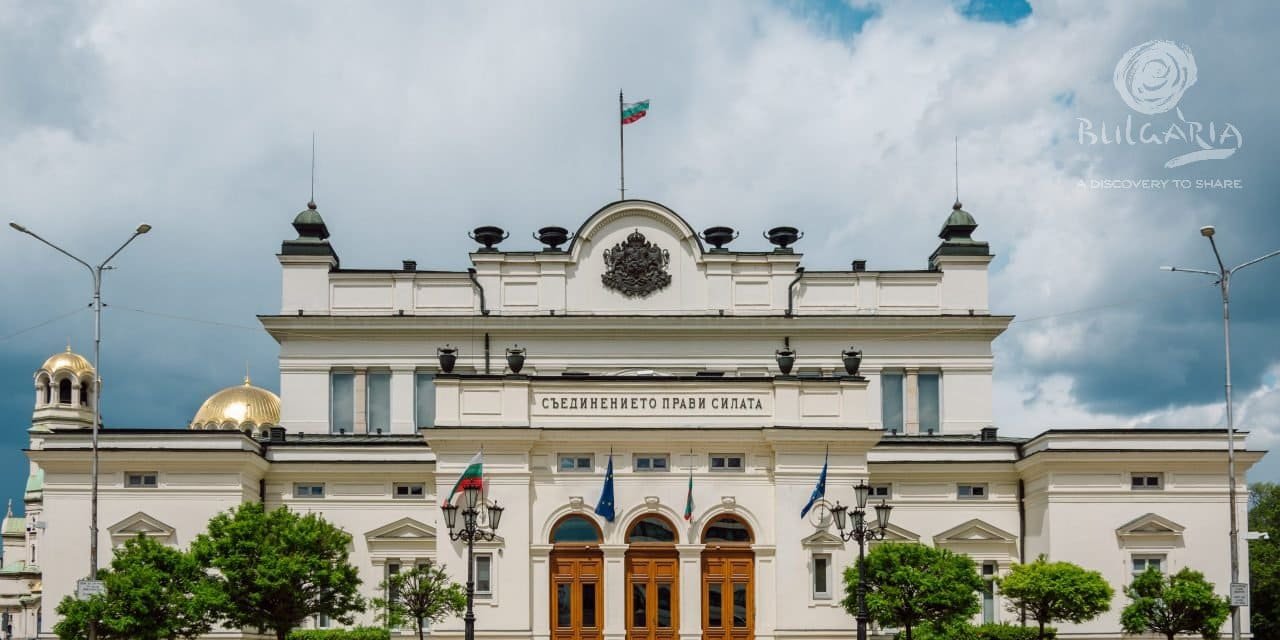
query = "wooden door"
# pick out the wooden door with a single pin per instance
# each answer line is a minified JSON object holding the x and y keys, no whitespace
{"x":728,"y":594}
{"x":653,"y":594}
{"x":577,"y":594}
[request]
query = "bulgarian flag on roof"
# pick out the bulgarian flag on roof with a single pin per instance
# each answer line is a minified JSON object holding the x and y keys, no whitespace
{"x":633,"y":111}
{"x":472,"y":477}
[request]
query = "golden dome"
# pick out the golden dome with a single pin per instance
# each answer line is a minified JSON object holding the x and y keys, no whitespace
{"x":238,"y":407}
{"x":68,"y":361}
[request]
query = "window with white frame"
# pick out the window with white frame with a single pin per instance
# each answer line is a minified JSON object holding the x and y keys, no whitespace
{"x":424,"y":399}
{"x":1142,"y":562}
{"x":141,"y":479}
{"x":891,"y":401}
{"x":322,"y":621}
{"x":377,"y":413}
{"x":308,"y":489}
{"x":929,"y":386}
{"x":971,"y":491}
{"x":484,"y":574}
{"x":1146,"y":481}
{"x":577,"y":462}
{"x":409,"y":490}
{"x":342,"y":402}
{"x":727,"y":462}
{"x":882,"y":491}
{"x":652,"y":462}
{"x":989,"y":569}
{"x":822,"y":576}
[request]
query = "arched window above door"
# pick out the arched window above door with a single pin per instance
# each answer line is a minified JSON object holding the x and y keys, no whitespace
{"x":727,"y":530}
{"x":651,"y":529}
{"x":575,"y":529}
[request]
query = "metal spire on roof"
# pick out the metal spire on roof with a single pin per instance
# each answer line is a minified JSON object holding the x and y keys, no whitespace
{"x":311,"y":203}
{"x":957,"y":146}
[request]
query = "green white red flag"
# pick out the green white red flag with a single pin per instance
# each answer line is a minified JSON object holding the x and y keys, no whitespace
{"x":633,"y":111}
{"x":472,"y":477}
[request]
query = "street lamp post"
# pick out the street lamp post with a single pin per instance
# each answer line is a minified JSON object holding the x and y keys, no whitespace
{"x":96,"y":274}
{"x":1223,"y":274}
{"x":864,"y":532}
{"x":469,"y":533}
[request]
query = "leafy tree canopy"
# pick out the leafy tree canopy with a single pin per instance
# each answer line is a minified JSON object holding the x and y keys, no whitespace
{"x":277,"y":568}
{"x":1264,"y":561}
{"x":1169,"y":605}
{"x":423,"y":595}
{"x":1055,"y":592}
{"x":154,"y":592}
{"x":911,"y":584}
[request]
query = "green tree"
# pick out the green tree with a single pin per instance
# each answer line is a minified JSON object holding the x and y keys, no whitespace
{"x":277,"y":568}
{"x":423,"y":595}
{"x":154,"y":592}
{"x":1264,"y":561}
{"x":1181,"y":603}
{"x":1055,"y":592}
{"x":911,"y":584}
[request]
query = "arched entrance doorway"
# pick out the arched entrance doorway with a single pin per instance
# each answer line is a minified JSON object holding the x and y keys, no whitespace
{"x":577,"y":580}
{"x":728,"y":580}
{"x":653,"y":580}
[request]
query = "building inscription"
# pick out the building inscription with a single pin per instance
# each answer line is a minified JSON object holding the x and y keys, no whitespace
{"x":707,"y":404}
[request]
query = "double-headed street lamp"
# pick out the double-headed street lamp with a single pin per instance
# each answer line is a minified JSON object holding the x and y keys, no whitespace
{"x":1223,"y":274}
{"x":96,"y":274}
{"x":469,"y":533}
{"x":864,"y":532}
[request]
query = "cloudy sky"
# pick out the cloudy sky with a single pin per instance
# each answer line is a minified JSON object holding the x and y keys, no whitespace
{"x":840,"y":117}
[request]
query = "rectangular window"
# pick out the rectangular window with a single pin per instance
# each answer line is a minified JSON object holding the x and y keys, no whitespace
{"x":715,"y":604}
{"x":727,"y":462}
{"x":342,"y":402}
{"x":639,"y":604}
{"x":393,"y":591}
{"x":1144,"y":562}
{"x":378,"y":394}
{"x":651,"y":463}
{"x":576,"y":462}
{"x":988,"y":592}
{"x":141,"y":479}
{"x":891,"y":401}
{"x":564,"y":607}
{"x":322,"y":621}
{"x":589,"y":605}
{"x":971,"y":491}
{"x":1147,"y":481}
{"x":484,"y":574}
{"x":308,"y":490}
{"x":882,"y":491}
{"x":409,"y":490}
{"x":822,"y":576}
{"x":928,"y":385}
{"x":424,"y":400}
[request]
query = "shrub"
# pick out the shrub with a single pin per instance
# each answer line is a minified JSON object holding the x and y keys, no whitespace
{"x":966,"y":631}
{"x":357,"y":633}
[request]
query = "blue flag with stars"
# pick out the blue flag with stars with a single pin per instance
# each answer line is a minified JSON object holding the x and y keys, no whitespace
{"x":819,"y":490}
{"x":604,"y":508}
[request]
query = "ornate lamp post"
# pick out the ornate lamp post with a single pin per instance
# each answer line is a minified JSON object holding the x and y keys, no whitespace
{"x":864,"y":532}
{"x":469,"y":533}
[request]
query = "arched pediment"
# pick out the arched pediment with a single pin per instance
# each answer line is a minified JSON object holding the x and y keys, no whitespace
{"x":664,"y":218}
{"x":140,"y":524}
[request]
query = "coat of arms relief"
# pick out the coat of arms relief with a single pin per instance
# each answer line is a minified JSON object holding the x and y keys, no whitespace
{"x":636,"y":267}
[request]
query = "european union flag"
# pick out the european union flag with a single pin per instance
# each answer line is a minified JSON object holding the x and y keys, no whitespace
{"x":819,"y":490}
{"x":604,"y":507}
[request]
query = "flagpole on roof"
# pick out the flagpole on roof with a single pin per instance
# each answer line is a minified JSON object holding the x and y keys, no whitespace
{"x":622,"y":159}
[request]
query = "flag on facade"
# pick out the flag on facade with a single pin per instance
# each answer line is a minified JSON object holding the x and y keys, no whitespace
{"x":472,"y":477}
{"x":604,"y":508}
{"x":633,"y":111}
{"x":819,"y":490}
{"x":688,"y":500}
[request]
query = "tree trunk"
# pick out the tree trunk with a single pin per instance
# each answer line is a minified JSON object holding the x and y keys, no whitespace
{"x":908,"y":629}
{"x":281,"y":633}
{"x":420,"y":634}
{"x":1041,"y":629}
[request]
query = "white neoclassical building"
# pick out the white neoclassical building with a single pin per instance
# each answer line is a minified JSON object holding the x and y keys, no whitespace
{"x":656,"y":347}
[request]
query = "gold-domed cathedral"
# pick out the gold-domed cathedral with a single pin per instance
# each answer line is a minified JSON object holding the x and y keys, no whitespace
{"x":244,"y":407}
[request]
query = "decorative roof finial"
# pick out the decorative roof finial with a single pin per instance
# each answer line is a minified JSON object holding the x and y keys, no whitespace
{"x":9,"y":513}
{"x":246,"y":373}
{"x":311,"y":203}
{"x":956,"y":206}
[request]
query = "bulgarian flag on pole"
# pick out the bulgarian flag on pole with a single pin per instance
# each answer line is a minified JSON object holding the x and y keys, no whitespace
{"x":633,"y":111}
{"x":472,"y":477}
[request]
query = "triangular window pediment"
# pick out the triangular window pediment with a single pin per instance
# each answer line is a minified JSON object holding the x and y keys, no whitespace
{"x":822,"y":539}
{"x":1150,"y":525}
{"x":140,"y":524}
{"x":403,"y":529}
{"x":894,"y":533}
{"x":974,"y":530}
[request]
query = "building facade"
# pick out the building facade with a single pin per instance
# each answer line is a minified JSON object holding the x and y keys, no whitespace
{"x":642,"y":345}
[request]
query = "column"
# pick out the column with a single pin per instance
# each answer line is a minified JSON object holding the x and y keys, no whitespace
{"x":75,"y":392}
{"x":766,"y":590}
{"x":540,"y":589}
{"x":615,"y":591}
{"x":911,"y":413}
{"x":39,"y":395}
{"x":359,"y":396}
{"x":690,"y":591}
